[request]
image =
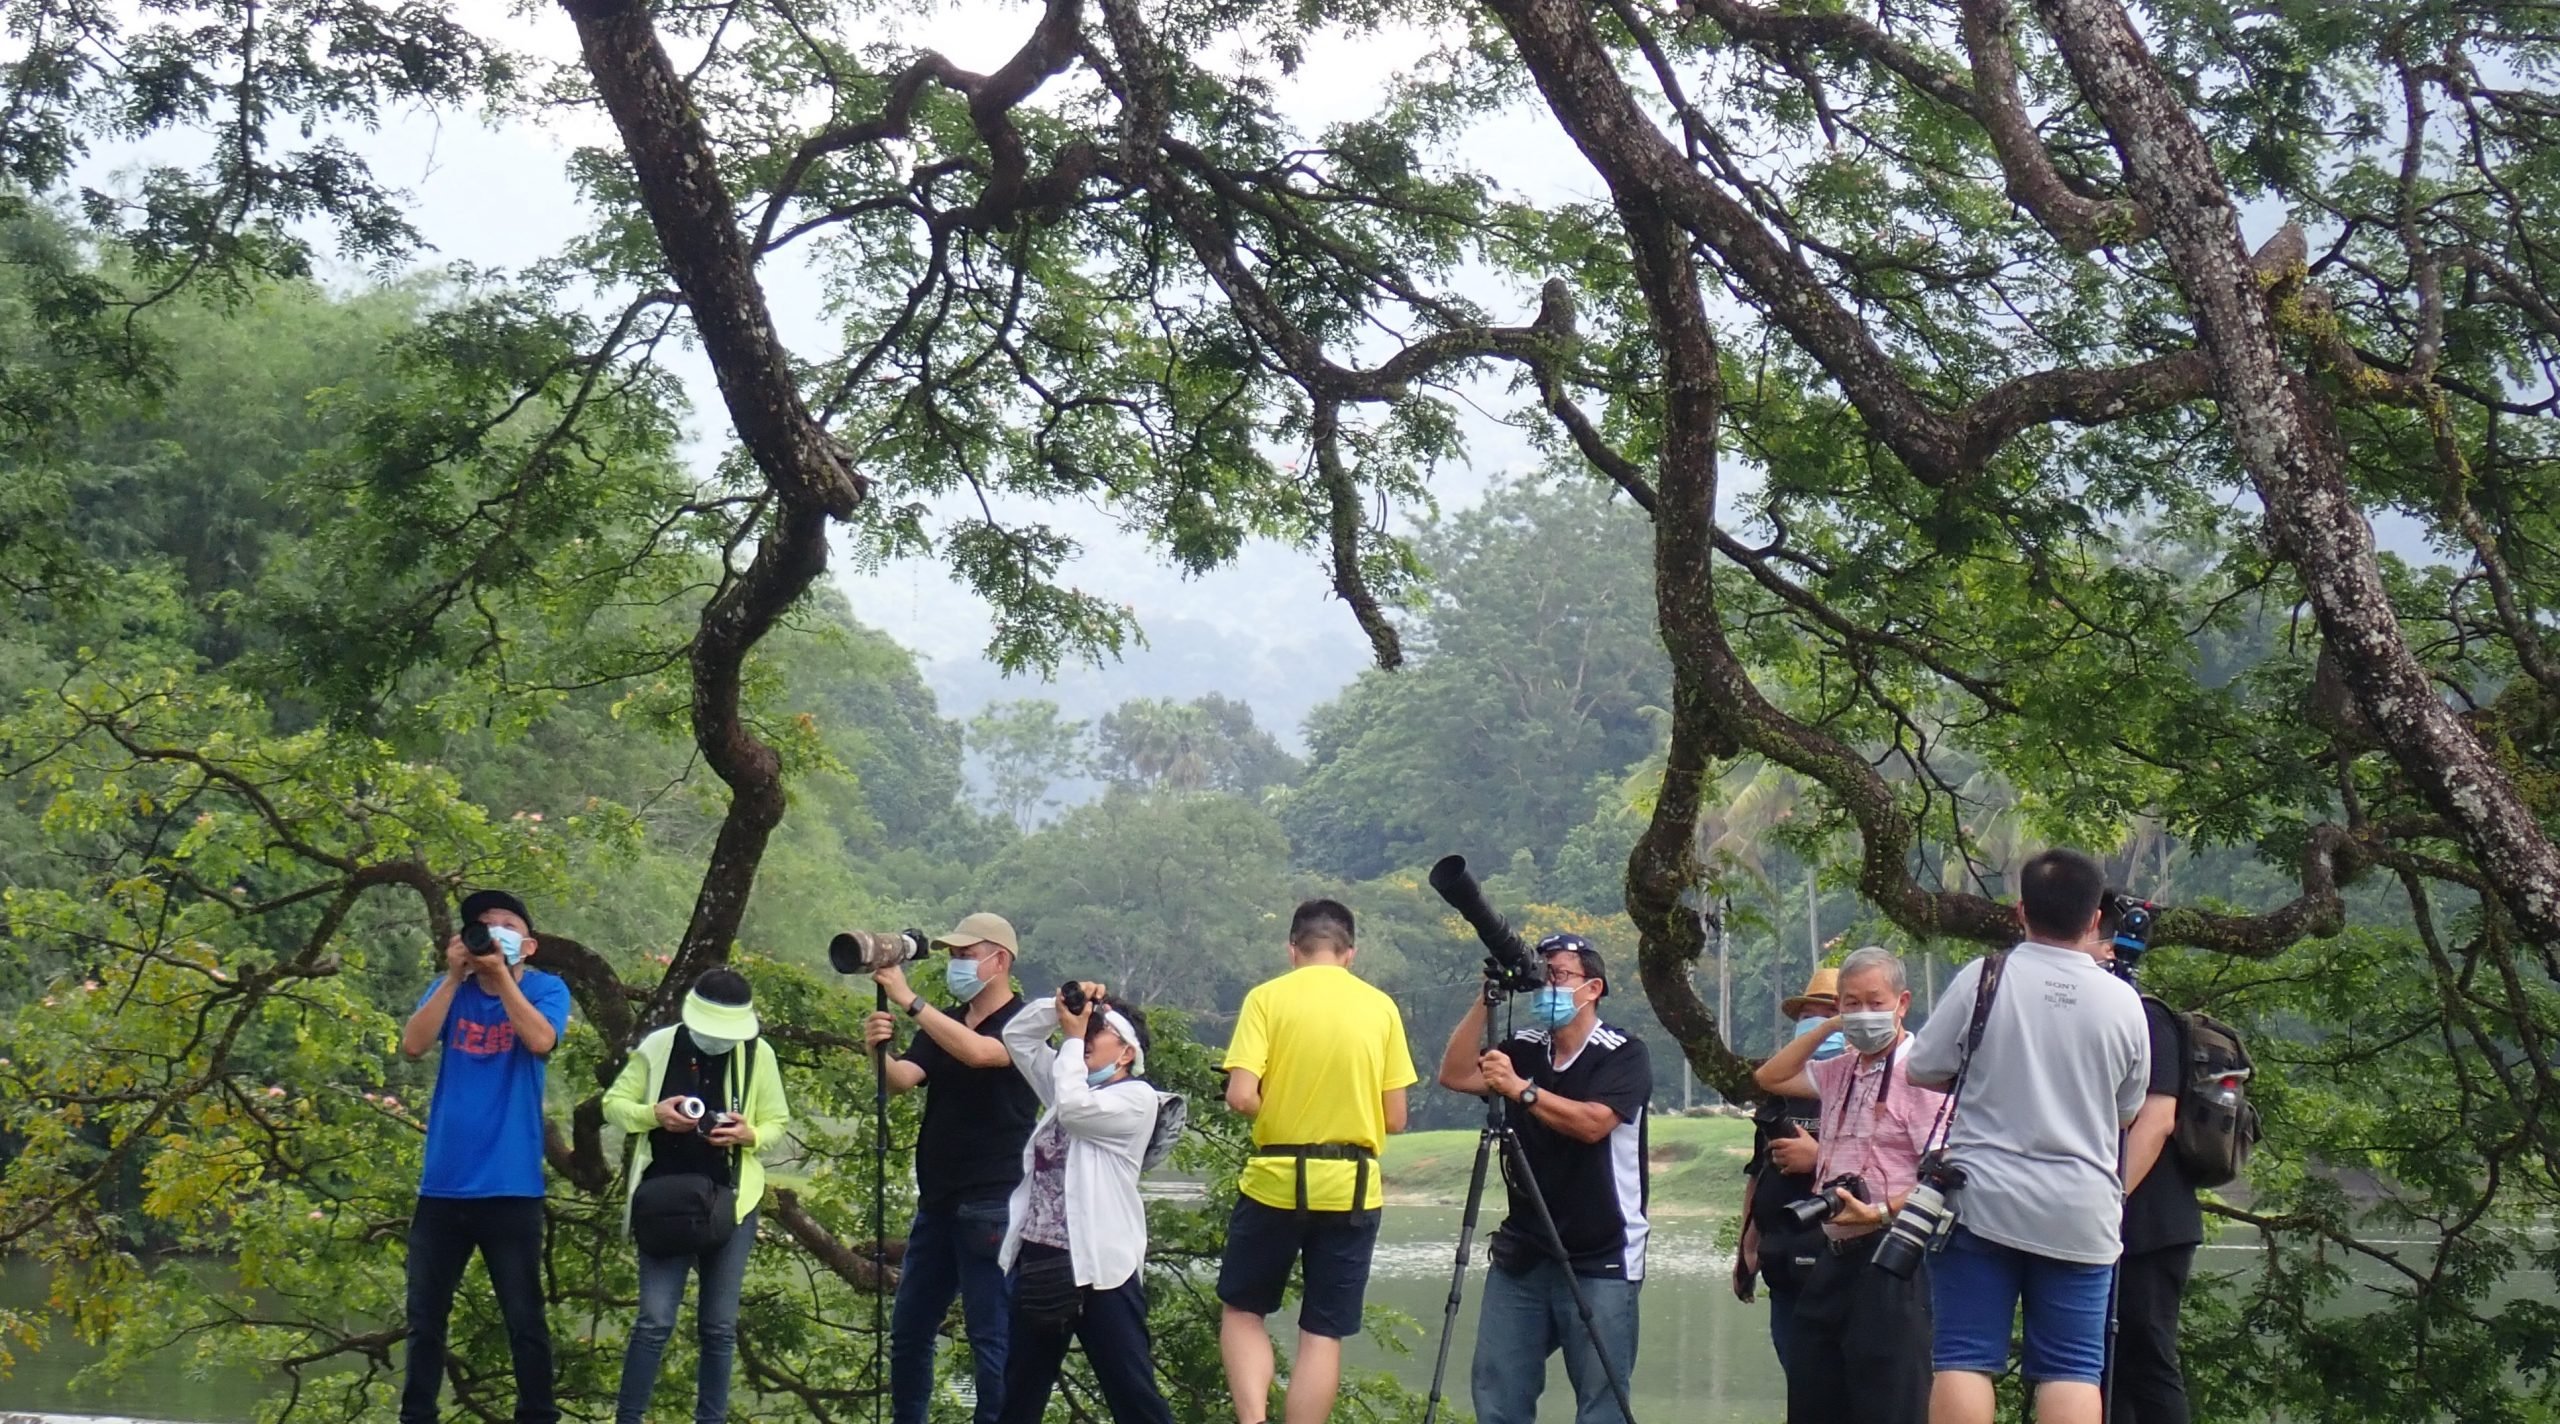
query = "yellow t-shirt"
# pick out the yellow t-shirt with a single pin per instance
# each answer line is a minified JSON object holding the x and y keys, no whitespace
{"x":1327,"y":1048}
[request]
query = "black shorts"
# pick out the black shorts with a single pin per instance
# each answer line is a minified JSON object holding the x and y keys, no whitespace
{"x":1263,"y":1242}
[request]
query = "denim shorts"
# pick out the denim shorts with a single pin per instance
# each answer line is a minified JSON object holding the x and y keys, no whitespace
{"x":1975,"y":1287}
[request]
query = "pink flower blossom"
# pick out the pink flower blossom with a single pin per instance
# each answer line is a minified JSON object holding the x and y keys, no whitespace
{"x":274,"y":1092}
{"x":537,"y":815}
{"x":317,"y":1214}
{"x":89,"y":986}
{"x":389,"y":1101}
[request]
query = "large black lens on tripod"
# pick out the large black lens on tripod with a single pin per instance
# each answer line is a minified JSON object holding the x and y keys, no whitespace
{"x":1465,"y":896}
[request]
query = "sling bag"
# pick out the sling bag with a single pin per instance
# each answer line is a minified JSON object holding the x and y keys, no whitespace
{"x":689,"y":1213}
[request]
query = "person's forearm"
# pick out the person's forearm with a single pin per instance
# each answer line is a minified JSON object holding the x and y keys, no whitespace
{"x":626,"y":1104}
{"x":1244,"y":1092}
{"x":2142,"y":1148}
{"x":427,"y":1025}
{"x":1779,"y":1072}
{"x":533,"y":1032}
{"x":901,"y":1075}
{"x":972,"y":1048}
{"x":1581,"y":1121}
{"x":1459,"y":1071}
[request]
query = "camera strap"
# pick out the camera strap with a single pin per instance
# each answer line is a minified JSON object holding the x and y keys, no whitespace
{"x":1985,"y":990}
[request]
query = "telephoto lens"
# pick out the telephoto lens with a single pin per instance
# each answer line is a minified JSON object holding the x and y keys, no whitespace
{"x":1927,"y":1219}
{"x":1071,"y":994}
{"x":692,"y":1108}
{"x":475,"y":938}
{"x":863,"y":951}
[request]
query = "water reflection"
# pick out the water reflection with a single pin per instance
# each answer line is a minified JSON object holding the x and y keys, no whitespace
{"x":1704,"y":1357}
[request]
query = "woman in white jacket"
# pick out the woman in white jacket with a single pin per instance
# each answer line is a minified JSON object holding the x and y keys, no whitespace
{"x":1077,"y":1232}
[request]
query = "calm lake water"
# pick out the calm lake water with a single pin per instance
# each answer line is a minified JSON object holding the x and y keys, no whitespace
{"x":1704,"y":1358}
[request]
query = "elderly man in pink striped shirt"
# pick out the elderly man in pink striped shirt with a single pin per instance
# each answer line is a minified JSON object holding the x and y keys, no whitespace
{"x":1864,"y":1333}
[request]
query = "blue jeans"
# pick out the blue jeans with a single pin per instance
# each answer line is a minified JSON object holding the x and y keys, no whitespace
{"x":951,"y":1251}
{"x":1528,"y":1316}
{"x":715,"y":1312}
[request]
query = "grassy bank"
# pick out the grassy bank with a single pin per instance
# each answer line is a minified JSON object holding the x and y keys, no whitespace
{"x":1697,"y":1164}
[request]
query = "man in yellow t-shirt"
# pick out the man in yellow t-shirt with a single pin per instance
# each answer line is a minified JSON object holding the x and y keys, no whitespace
{"x":1319,"y":1063}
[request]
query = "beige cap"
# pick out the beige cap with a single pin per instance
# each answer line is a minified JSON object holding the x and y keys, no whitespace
{"x":1824,"y":985}
{"x":980,"y":928}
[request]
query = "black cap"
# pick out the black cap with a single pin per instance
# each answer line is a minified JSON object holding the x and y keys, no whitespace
{"x":1593,"y":966}
{"x":480,"y":902}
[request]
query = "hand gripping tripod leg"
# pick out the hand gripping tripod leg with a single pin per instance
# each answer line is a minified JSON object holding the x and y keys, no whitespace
{"x":1497,"y":1132}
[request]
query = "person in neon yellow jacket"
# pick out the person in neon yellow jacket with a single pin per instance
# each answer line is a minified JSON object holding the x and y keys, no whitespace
{"x":702,"y":1096}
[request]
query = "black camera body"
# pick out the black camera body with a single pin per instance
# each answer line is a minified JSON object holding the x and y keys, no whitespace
{"x":1825,"y":1203}
{"x":863,"y":951}
{"x":1927,"y":1218}
{"x":1071,"y":994}
{"x":476,"y":939}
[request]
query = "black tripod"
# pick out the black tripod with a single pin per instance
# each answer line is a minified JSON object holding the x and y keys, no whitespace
{"x":880,"y":1216}
{"x":1498,"y":985}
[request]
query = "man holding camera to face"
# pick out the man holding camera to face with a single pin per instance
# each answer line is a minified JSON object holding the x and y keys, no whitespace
{"x":1862,"y":1332}
{"x":978,"y":1113}
{"x":481,"y":1186}
{"x":1577,"y":1091}
{"x":2054,"y":1057}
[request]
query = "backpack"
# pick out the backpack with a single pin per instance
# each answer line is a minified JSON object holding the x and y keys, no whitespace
{"x":1173,"y":1113}
{"x":2217,"y":1125}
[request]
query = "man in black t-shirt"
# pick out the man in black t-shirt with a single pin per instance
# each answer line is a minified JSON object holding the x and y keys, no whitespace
{"x":1577,"y":1089}
{"x":1785,"y":1144}
{"x":2162,"y":1228}
{"x":978,"y":1113}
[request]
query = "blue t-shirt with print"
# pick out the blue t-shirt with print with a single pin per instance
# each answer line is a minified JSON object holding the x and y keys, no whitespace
{"x":484,"y":1124}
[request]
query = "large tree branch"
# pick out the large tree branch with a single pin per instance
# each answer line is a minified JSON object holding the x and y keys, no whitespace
{"x":2080,"y":223}
{"x":1662,"y":868}
{"x":2287,"y":438}
{"x":1590,"y":98}
{"x":689,"y":207}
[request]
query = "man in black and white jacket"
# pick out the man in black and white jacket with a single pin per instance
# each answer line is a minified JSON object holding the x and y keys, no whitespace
{"x":1577,"y":1089}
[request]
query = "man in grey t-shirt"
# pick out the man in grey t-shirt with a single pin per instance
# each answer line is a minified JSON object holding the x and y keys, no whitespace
{"x":2063,"y":1063}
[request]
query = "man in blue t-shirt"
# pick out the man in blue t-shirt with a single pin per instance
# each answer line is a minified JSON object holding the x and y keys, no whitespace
{"x":481,"y":1189}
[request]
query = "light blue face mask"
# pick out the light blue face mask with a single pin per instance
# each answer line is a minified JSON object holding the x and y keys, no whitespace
{"x":1831,"y":1047}
{"x":963,"y":977}
{"x":1104,"y":1074}
{"x":1553,"y":1007}
{"x":510,"y":944}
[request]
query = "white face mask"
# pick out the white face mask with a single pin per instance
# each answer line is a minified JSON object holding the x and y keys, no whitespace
{"x":1869,"y":1032}
{"x":712,"y":1046}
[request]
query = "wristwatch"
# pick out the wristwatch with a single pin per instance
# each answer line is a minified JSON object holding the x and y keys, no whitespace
{"x":1529,"y":1096}
{"x":915,"y":1005}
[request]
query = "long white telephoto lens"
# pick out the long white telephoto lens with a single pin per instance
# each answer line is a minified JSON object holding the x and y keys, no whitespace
{"x":862,"y":951}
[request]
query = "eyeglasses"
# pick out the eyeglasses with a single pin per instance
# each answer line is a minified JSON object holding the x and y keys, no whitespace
{"x":1566,"y":979}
